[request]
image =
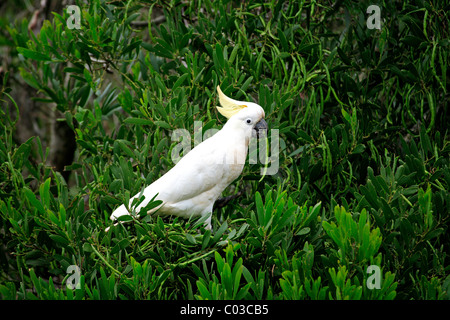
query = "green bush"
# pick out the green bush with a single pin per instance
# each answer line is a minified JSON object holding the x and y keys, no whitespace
{"x":363,"y":176}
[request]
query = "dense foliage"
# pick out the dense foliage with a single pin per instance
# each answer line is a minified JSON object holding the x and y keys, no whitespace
{"x":363,"y":176}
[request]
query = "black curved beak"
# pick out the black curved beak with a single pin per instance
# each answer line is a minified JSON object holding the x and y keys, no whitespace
{"x":261,"y":128}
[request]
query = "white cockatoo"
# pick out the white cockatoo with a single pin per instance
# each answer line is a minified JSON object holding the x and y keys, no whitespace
{"x":192,"y":186}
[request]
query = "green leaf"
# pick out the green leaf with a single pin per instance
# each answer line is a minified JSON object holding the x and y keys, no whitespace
{"x":359,"y":149}
{"x":62,"y":215}
{"x":88,"y":77}
{"x":283,"y":40}
{"x":59,"y":239}
{"x":227,"y":280}
{"x":29,"y":79}
{"x":206,"y":238}
{"x":218,"y":234}
{"x":38,"y":56}
{"x":343,"y":56}
{"x":219,"y":261}
{"x":303,"y":231}
{"x":303,"y":135}
{"x":259,"y":208}
{"x":138,"y":121}
{"x":434,"y":233}
{"x":180,"y":81}
{"x":44,"y":192}
{"x":122,"y":244}
{"x":33,"y":200}
{"x":219,"y":55}
{"x":162,"y":124}
{"x":125,"y":148}
{"x":204,"y":292}
{"x":190,"y":238}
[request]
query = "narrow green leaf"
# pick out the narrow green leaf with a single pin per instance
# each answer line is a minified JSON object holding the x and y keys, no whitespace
{"x":34,"y":201}
{"x":38,"y":56}
{"x":138,"y":121}
{"x":180,"y":81}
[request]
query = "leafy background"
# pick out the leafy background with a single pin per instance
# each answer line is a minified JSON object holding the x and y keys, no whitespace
{"x":87,"y":117}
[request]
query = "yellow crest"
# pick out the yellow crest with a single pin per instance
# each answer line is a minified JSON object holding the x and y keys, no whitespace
{"x":229,"y":106}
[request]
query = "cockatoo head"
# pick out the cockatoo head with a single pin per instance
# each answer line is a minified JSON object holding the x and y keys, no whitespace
{"x":243,"y":115}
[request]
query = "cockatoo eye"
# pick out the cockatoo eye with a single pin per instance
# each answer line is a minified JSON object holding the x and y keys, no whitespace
{"x":248,"y":121}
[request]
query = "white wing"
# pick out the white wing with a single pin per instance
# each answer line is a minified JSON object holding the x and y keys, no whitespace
{"x":196,"y":181}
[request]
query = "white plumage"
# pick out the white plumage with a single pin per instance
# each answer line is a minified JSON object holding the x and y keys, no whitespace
{"x":192,"y":186}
